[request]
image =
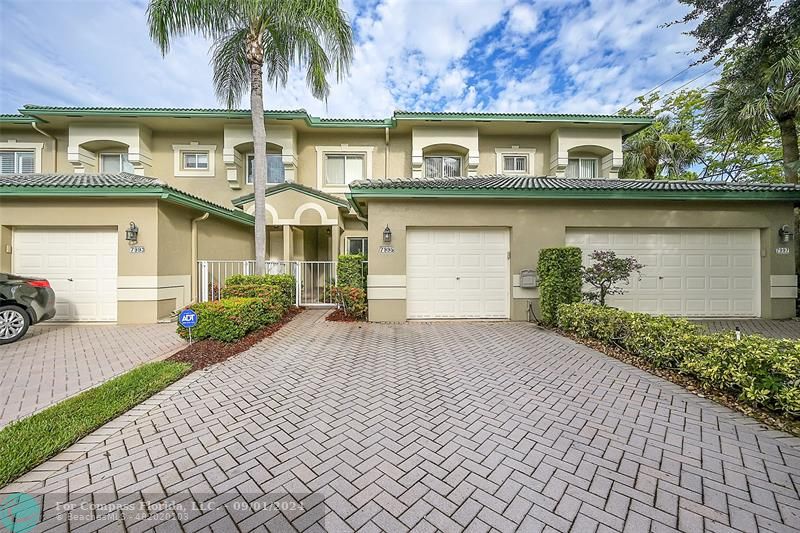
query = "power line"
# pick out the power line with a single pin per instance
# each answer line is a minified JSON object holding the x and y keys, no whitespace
{"x":743,"y":169}
{"x":660,"y":84}
{"x":681,"y":86}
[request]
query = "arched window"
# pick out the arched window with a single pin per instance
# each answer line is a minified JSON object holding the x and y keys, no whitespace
{"x":443,"y":162}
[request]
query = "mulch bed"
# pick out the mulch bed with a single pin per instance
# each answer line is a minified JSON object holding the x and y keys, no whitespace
{"x":338,"y":315}
{"x":208,"y":352}
{"x":769,"y":418}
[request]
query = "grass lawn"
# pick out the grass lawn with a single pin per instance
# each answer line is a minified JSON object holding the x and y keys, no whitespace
{"x":32,"y":440}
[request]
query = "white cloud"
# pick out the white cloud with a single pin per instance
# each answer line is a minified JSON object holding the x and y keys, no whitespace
{"x":504,"y":55}
{"x":523,"y":19}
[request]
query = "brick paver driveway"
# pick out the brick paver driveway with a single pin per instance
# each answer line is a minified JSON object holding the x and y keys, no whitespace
{"x":54,"y":361}
{"x":445,"y":426}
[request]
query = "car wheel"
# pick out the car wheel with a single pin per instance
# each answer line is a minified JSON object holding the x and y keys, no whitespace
{"x":14,"y":322}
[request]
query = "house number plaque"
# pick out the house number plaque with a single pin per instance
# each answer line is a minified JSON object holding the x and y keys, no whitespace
{"x":782,"y":251}
{"x":137,"y":249}
{"x":386,"y":249}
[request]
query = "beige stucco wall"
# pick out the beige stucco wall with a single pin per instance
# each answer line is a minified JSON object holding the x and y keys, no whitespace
{"x":538,"y":224}
{"x":26,"y":134}
{"x":490,"y":144}
{"x":149,"y":285}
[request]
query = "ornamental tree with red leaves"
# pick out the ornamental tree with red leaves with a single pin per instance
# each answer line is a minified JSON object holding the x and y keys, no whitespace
{"x":607,"y":273}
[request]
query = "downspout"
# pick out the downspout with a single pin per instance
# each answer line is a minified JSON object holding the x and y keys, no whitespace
{"x":193,"y":268}
{"x":386,"y":155}
{"x":55,"y":145}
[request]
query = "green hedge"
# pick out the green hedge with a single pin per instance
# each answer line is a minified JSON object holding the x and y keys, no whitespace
{"x":352,"y":299}
{"x":559,"y":272}
{"x":761,"y":371}
{"x":285,"y":281}
{"x":351,"y":271}
{"x":231,"y":319}
{"x":264,"y":292}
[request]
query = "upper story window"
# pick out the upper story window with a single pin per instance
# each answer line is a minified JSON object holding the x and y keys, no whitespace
{"x":515,"y":164}
{"x":17,"y":162}
{"x":581,"y":167}
{"x":275,"y":169}
{"x":114,"y":163}
{"x":442,"y":166}
{"x":194,"y":160}
{"x":341,"y":169}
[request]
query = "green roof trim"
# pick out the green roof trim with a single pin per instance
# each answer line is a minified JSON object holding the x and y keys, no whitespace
{"x":551,"y":188}
{"x":122,"y":185}
{"x":36,"y":111}
{"x":523,"y":117}
{"x":14,"y":118}
{"x":276,"y":189}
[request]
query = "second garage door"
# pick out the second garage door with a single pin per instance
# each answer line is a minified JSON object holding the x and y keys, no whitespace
{"x":81,"y":265}
{"x":457,"y":273}
{"x":698,"y":272}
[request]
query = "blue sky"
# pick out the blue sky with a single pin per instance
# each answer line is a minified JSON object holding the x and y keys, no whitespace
{"x":589,"y":56}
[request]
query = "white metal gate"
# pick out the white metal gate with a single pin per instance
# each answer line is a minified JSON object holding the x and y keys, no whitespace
{"x":313,"y":278}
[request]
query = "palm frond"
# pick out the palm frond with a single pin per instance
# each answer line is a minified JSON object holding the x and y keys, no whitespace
{"x":168,"y":19}
{"x":231,"y":70}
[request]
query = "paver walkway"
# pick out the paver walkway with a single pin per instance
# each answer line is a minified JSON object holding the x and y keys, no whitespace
{"x":55,"y":361}
{"x":447,"y":426}
{"x":779,"y":329}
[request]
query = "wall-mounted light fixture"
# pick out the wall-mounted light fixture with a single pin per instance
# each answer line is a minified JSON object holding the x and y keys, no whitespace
{"x":132,"y":234}
{"x":387,"y":235}
{"x":785,"y":233}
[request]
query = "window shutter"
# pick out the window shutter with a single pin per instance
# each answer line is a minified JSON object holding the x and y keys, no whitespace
{"x":7,"y":162}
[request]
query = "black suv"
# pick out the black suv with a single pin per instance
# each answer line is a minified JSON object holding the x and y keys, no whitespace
{"x":23,"y":301}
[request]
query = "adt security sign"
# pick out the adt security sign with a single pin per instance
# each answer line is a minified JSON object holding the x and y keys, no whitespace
{"x":188,"y":319}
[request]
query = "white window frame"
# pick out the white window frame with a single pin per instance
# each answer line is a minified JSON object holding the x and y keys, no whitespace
{"x":179,"y":150}
{"x":100,"y":156}
{"x":442,"y":156}
{"x":359,"y":238}
{"x":195,"y":154}
{"x":515,"y":151}
{"x":12,"y":145}
{"x":579,"y":160}
{"x":324,"y":151}
{"x":251,"y":157}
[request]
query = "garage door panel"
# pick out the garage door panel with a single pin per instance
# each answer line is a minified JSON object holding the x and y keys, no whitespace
{"x":464,"y":273}
{"x":81,"y":265}
{"x":703,"y":272}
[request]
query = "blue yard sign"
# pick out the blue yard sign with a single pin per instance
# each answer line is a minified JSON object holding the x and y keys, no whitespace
{"x":188,"y":319}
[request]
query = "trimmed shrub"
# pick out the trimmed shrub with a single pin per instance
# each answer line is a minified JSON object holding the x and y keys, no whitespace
{"x":760,"y":371}
{"x":285,"y":281}
{"x":353,"y":300}
{"x":231,"y":319}
{"x":351,"y":271}
{"x":264,"y":292}
{"x":559,"y":280}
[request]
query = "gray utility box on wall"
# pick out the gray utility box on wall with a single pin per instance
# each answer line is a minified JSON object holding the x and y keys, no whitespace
{"x":528,"y":279}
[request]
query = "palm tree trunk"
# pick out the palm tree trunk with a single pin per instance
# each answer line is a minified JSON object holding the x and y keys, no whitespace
{"x":791,"y":153}
{"x":259,"y":165}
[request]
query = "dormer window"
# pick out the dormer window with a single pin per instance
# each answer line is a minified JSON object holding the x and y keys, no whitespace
{"x":442,"y":166}
{"x":581,"y":167}
{"x":115,"y":163}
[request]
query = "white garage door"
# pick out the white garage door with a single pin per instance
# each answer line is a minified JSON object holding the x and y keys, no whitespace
{"x":707,"y":272}
{"x":81,"y":265}
{"x":457,"y":273}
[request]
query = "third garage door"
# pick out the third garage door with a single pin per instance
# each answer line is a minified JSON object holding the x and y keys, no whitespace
{"x":698,"y":272}
{"x":457,"y":273}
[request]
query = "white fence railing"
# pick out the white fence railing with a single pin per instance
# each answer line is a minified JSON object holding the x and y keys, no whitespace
{"x":313,"y":278}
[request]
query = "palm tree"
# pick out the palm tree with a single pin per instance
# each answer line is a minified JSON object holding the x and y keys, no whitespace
{"x":665,"y":147}
{"x":248,"y":35}
{"x":752,"y":96}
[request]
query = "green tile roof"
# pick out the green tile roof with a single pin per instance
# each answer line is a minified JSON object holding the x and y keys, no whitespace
{"x":39,"y":111}
{"x":275,"y":189}
{"x":499,"y":186}
{"x":121,"y":184}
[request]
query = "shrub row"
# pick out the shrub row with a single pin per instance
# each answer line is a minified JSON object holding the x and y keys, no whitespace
{"x":353,"y":300}
{"x":230,"y":319}
{"x":286,"y":282}
{"x":351,"y":271}
{"x":264,"y":292}
{"x":761,"y":371}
